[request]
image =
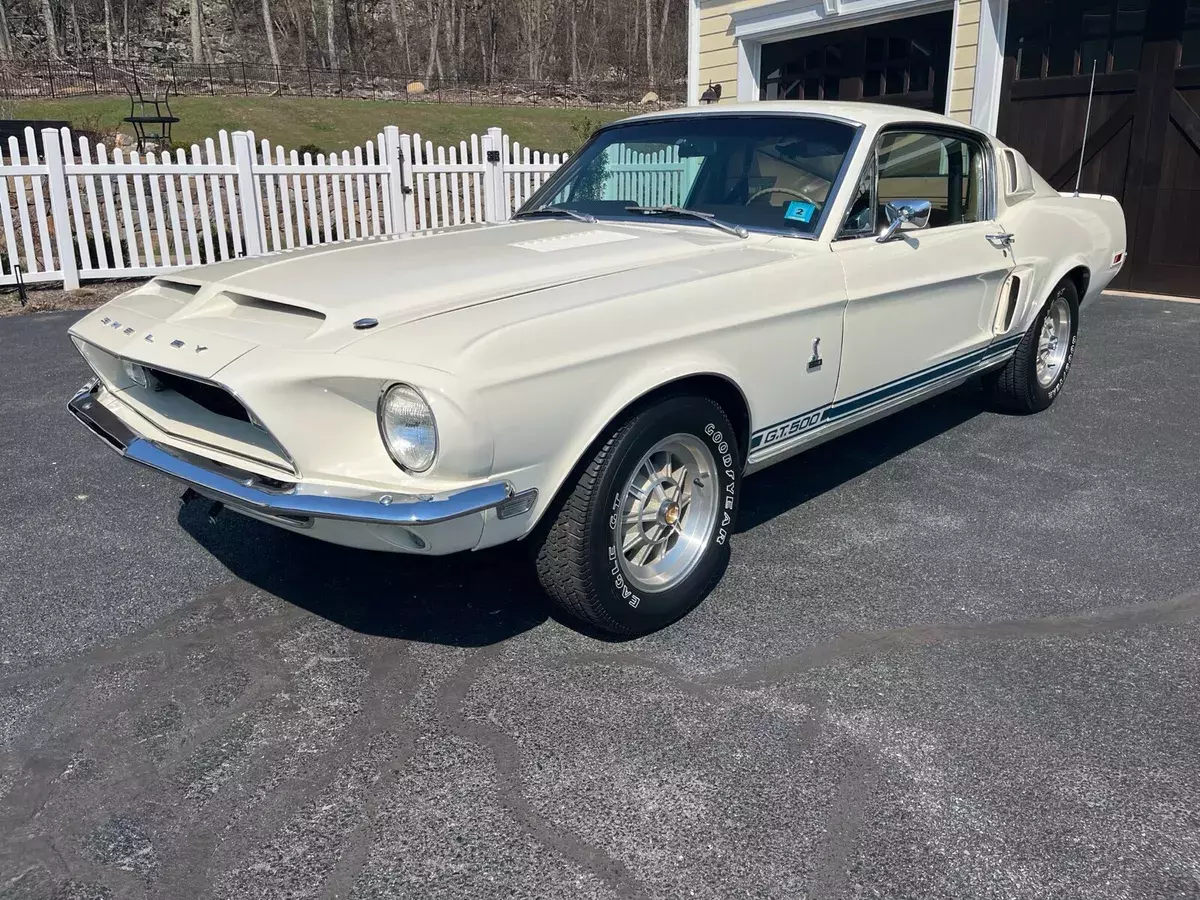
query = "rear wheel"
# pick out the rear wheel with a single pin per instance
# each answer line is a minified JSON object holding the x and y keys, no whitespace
{"x":643,"y":533}
{"x":1030,"y":381}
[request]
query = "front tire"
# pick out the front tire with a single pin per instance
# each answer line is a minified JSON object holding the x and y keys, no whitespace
{"x":1030,"y":381}
{"x":642,"y":534}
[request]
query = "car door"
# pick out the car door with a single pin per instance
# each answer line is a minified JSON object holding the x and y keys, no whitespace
{"x":921,"y":305}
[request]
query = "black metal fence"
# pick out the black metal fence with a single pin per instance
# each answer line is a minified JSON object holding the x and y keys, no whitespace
{"x":75,"y":78}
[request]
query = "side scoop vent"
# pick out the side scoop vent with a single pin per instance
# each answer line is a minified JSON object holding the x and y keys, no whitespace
{"x":176,"y":290}
{"x":257,"y":319}
{"x":265,"y":310}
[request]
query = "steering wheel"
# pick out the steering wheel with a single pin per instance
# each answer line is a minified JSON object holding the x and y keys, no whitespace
{"x":781,"y":190}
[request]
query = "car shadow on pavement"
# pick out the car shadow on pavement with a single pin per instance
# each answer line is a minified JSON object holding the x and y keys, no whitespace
{"x":477,"y":599}
{"x":796,"y":481}
{"x":466,"y":600}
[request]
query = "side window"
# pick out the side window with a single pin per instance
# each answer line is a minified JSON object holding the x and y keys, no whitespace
{"x":946,"y":171}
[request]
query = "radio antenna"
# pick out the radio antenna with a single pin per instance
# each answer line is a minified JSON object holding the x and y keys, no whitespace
{"x":1087,"y":123}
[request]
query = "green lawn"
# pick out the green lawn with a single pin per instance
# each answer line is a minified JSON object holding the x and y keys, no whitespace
{"x":333,"y":124}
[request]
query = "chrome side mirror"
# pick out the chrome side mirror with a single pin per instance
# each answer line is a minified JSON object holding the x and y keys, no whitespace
{"x":913,"y":213}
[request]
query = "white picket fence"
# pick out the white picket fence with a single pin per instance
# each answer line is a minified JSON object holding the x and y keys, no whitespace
{"x":83,"y":213}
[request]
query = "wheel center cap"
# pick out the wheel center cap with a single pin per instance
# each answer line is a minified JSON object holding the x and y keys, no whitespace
{"x":670,"y":513}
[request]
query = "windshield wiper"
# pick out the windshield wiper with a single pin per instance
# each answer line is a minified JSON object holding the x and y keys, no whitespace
{"x":556,"y":211}
{"x":736,"y":230}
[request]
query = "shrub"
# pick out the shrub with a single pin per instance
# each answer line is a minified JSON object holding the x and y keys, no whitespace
{"x":236,"y":249}
{"x":109,"y":248}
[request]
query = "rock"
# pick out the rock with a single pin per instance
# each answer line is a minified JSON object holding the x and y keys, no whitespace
{"x":650,"y":98}
{"x":416,"y":87}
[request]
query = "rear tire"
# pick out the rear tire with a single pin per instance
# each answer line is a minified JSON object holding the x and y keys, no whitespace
{"x":642,"y":534}
{"x":1031,"y":380}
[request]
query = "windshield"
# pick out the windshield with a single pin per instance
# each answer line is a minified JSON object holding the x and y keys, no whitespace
{"x":762,"y":172}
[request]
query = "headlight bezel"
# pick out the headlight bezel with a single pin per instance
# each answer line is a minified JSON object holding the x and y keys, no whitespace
{"x":381,"y":404}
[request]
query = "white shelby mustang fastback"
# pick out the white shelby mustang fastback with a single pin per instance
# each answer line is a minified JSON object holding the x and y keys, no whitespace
{"x":598,"y":375}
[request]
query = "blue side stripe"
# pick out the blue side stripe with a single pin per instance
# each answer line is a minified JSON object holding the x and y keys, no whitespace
{"x":890,"y":390}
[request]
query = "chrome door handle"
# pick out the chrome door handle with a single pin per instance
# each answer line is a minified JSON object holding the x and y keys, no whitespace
{"x":1005,"y":239}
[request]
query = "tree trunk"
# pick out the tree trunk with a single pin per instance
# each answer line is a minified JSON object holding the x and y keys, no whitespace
{"x":312,"y":8}
{"x":435,"y":21}
{"x":401,"y":32}
{"x":51,"y":31}
{"x":108,"y":41}
{"x":574,"y":41}
{"x":331,"y":35}
{"x":73,"y":16}
{"x":237,"y":28}
{"x":662,"y":26}
{"x":125,"y":29}
{"x":6,"y":48}
{"x":197,"y":41}
{"x":649,"y":45}
{"x":350,"y":43}
{"x":269,"y":26}
{"x":297,"y":16}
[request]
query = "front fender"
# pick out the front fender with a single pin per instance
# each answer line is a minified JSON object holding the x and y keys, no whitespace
{"x":625,"y":394}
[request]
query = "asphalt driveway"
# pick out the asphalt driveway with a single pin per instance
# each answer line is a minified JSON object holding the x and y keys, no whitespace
{"x":956,"y":655}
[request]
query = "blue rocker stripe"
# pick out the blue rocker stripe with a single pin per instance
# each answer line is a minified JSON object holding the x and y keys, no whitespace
{"x":892,"y":389}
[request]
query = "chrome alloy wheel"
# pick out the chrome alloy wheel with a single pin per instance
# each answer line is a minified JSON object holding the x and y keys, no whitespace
{"x":667,"y":513}
{"x":1054,"y":341}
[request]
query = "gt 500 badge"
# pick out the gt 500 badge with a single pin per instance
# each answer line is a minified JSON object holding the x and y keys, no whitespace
{"x":792,"y":427}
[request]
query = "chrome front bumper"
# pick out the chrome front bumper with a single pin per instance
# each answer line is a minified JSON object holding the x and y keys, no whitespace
{"x":289,"y":504}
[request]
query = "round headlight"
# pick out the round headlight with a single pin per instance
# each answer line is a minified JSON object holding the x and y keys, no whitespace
{"x":408,"y":429}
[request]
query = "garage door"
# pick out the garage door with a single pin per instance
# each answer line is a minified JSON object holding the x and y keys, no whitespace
{"x":1144,"y":141}
{"x":904,"y":62}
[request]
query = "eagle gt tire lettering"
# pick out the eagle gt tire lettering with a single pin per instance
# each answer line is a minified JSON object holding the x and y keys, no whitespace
{"x":642,"y":534}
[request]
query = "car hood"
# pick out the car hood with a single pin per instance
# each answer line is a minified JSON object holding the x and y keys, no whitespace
{"x":311,"y":298}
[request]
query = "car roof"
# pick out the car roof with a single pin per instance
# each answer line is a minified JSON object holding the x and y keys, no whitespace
{"x":873,"y":115}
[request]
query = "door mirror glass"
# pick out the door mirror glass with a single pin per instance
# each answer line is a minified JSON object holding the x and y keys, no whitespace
{"x":910,"y":214}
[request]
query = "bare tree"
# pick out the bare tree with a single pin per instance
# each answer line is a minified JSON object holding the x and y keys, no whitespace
{"x":635,"y":43}
{"x":399,"y":26}
{"x":434,"y":11}
{"x":649,"y":45}
{"x":6,"y":47}
{"x":197,"y":39}
{"x":662,"y":26}
{"x":297,"y":16}
{"x":51,"y":30}
{"x":269,"y":28}
{"x":331,"y":35}
{"x":76,"y":33}
{"x":108,"y":40}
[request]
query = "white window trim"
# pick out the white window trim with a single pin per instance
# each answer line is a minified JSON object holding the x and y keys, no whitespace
{"x":989,"y":67}
{"x":693,"y":53}
{"x":786,"y":19}
{"x":782,"y":19}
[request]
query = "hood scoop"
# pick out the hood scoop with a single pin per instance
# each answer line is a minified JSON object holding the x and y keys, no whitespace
{"x":257,"y":319}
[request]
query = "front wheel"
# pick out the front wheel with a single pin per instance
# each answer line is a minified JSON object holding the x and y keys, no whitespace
{"x":1030,"y":381}
{"x":643,"y":533}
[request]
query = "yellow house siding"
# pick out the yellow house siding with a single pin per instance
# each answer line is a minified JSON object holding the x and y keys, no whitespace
{"x":718,"y":49}
{"x":966,"y":57}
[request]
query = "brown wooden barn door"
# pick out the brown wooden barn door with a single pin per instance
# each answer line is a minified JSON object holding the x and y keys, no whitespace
{"x":1166,"y":256}
{"x":1142,"y":145}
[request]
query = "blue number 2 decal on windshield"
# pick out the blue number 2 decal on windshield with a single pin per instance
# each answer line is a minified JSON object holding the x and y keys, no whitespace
{"x":800,"y":211}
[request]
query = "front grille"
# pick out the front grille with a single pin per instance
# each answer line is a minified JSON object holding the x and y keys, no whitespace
{"x":214,"y":399}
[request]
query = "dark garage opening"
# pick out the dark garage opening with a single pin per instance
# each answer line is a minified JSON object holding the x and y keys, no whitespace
{"x":905,"y":62}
